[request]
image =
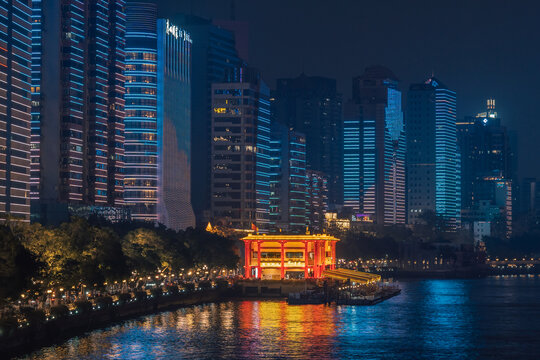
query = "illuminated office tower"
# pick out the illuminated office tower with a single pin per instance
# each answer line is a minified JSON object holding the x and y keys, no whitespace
{"x":288,"y":181}
{"x":78,"y":106}
{"x":158,"y":118}
{"x":141,"y":124}
{"x":433,"y":160}
{"x":213,"y":55}
{"x":486,"y":151}
{"x":241,"y":153}
{"x":15,"y":74}
{"x":488,"y":167}
{"x":311,"y":105}
{"x":317,"y":200}
{"x":374,"y":148}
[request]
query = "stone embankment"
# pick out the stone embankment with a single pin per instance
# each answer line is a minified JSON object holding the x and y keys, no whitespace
{"x":26,"y":337}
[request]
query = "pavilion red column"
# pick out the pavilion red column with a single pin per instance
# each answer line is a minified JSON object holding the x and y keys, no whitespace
{"x":305,"y":260}
{"x":259,"y":275}
{"x":247,"y":256}
{"x":321,"y":258}
{"x":334,"y":260}
{"x":320,"y":251}
{"x":315,"y":260}
{"x":282,"y":260}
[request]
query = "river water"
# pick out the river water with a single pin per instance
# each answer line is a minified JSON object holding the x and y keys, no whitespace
{"x":491,"y":318}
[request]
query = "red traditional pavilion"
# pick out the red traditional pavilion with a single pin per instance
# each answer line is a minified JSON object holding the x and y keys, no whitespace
{"x":288,"y":256}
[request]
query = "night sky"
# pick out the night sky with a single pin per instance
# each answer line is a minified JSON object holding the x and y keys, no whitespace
{"x":478,"y":48}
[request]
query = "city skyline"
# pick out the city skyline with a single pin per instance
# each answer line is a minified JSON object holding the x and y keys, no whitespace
{"x":470,"y":45}
{"x":236,"y":179}
{"x":149,"y":112}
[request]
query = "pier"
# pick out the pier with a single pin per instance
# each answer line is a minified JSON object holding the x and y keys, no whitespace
{"x":346,"y":287}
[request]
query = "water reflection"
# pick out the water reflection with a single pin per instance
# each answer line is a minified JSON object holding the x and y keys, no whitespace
{"x":458,"y":319}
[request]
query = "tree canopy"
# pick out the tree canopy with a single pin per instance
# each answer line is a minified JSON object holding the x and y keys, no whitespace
{"x":95,"y":252}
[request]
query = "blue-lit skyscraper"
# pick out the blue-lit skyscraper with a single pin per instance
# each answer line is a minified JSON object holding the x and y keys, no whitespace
{"x":158,"y":118}
{"x":174,"y":126}
{"x":241,"y":155}
{"x":433,"y":160}
{"x":15,"y":78}
{"x":141,"y":144}
{"x":288,"y":180}
{"x":374,"y":148}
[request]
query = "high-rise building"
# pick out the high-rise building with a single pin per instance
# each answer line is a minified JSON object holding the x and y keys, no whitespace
{"x":241,"y":164}
{"x":317,"y":200}
{"x":78,"y":105}
{"x":213,"y":55}
{"x":158,"y":118}
{"x":15,"y":98}
{"x":311,"y":105}
{"x":374,"y":148}
{"x":288,"y":181}
{"x":433,"y":160}
{"x":487,"y":162}
{"x":141,"y":121}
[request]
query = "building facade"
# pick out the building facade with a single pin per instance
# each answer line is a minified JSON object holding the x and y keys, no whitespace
{"x":433,"y":159}
{"x":78,"y":112}
{"x":15,"y":106}
{"x":374,"y":148}
{"x":312,"y":106}
{"x":241,"y":153}
{"x":158,"y":118}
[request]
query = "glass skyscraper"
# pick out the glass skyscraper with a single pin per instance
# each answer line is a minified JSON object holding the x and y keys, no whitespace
{"x":374,"y":148}
{"x":158,"y":118}
{"x":433,"y":159}
{"x":15,"y":97}
{"x":78,"y":105}
{"x":174,"y":126}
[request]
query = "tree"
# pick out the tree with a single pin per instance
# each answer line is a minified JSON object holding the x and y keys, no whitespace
{"x":145,"y":250}
{"x":210,"y":249}
{"x":17,"y":265}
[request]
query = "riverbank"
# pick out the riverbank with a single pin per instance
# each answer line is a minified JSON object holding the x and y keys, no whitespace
{"x":31,"y":336}
{"x":457,"y":273}
{"x":432,"y":319}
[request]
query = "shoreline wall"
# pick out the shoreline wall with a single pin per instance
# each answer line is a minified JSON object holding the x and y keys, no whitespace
{"x":21,"y":341}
